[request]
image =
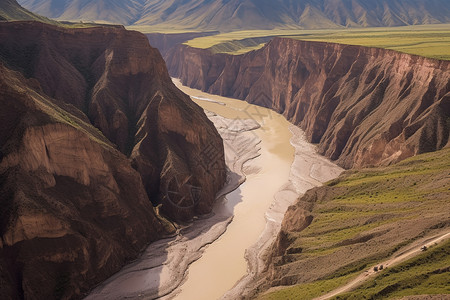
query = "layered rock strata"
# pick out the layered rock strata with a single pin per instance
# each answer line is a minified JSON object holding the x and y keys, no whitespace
{"x":93,"y":133}
{"x":362,"y":106}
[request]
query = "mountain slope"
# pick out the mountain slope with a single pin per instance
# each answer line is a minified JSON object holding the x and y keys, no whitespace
{"x":248,"y":14}
{"x":67,"y":197}
{"x":126,"y":92}
{"x":11,"y":10}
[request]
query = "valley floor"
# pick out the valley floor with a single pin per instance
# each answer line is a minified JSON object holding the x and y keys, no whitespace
{"x":215,"y":252}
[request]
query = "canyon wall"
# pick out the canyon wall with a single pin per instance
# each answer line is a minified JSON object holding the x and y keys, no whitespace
{"x":362,"y":106}
{"x":93,"y":133}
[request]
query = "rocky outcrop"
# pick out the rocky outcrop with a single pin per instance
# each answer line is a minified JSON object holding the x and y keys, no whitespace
{"x":92,"y":131}
{"x":363,"y":106}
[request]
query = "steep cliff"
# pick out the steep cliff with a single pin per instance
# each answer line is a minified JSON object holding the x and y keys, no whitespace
{"x":363,"y":106}
{"x":73,"y":208}
{"x":92,"y":131}
{"x":121,"y":84}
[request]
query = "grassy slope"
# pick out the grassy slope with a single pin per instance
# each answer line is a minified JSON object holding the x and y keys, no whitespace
{"x":404,"y":194}
{"x":429,"y":41}
{"x":427,"y":273}
{"x":426,"y":40}
{"x":11,"y":11}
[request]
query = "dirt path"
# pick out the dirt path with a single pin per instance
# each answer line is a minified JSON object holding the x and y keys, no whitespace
{"x":409,"y":253}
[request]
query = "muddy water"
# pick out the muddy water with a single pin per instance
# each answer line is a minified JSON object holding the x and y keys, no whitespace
{"x":223,"y":262}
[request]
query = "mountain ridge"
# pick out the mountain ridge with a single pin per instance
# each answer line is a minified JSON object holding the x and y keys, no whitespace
{"x":248,"y":14}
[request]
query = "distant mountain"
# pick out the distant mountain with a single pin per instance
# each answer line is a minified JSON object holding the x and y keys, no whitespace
{"x":10,"y":10}
{"x":226,"y":15}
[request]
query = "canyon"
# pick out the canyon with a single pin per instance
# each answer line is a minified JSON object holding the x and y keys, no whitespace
{"x":96,"y":136}
{"x":362,"y":106}
{"x":114,"y":183}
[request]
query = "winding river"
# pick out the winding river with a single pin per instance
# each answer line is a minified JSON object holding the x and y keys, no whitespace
{"x":223,"y":263}
{"x":271,"y":164}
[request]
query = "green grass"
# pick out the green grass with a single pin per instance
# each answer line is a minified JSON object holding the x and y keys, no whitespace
{"x":357,"y":208}
{"x":372,"y":192}
{"x":421,"y":40}
{"x":159,"y":29}
{"x":425,"y":40}
{"x":308,"y":290}
{"x":425,"y":274}
{"x":11,"y":11}
{"x":210,"y":41}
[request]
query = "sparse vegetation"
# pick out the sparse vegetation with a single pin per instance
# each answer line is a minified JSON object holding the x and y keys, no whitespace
{"x":425,"y":40}
{"x":366,"y":216}
{"x":11,"y":11}
{"x":308,"y":290}
{"x":428,"y":273}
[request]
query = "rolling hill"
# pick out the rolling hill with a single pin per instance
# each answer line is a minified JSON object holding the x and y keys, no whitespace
{"x":247,"y":14}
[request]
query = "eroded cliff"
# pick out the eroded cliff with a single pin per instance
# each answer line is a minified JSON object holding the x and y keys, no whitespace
{"x":362,"y":106}
{"x":92,"y":131}
{"x":122,"y":85}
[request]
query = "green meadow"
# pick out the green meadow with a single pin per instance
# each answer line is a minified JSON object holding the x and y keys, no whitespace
{"x":425,"y":40}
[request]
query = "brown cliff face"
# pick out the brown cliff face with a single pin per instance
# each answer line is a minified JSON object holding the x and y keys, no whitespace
{"x":75,"y":208}
{"x":123,"y":86}
{"x":363,"y":106}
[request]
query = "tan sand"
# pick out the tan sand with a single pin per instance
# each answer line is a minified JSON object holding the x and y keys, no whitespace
{"x":308,"y":170}
{"x":223,"y":263}
{"x":163,"y":265}
{"x":278,"y":178}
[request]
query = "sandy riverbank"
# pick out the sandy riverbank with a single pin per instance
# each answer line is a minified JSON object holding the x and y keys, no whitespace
{"x":288,"y":166}
{"x":308,"y":170}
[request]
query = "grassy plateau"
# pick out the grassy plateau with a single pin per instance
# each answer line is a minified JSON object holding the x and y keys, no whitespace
{"x":425,"y":40}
